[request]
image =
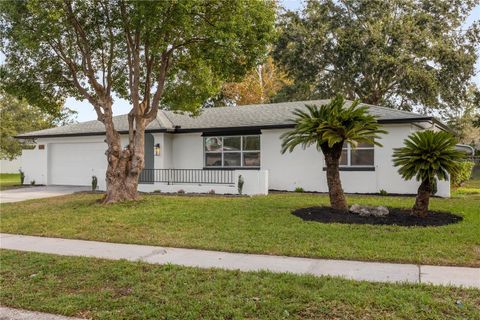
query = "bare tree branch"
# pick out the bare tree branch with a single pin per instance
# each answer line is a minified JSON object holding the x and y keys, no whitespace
{"x":84,"y":49}
{"x":162,"y":74}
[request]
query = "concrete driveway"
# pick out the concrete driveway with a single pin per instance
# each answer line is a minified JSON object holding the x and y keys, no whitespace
{"x":28,"y":193}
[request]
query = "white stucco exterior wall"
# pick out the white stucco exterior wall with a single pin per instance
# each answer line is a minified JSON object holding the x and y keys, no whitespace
{"x":34,"y":165}
{"x":301,"y":168}
{"x":187,"y":151}
{"x":10,"y":166}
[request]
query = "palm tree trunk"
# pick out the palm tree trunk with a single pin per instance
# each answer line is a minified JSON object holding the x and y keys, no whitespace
{"x":420,"y":208}
{"x":335,"y":190}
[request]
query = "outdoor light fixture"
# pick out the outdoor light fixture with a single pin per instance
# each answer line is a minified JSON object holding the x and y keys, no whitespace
{"x":157,"y":149}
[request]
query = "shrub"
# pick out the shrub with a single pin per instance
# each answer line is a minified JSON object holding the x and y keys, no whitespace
{"x":240,"y":183}
{"x":464,"y":174}
{"x":157,"y":191}
{"x":94,"y":183}
{"x":211,"y":191}
{"x":383,"y":192}
{"x":299,"y":190}
{"x":22,"y":176}
{"x":181,"y":191}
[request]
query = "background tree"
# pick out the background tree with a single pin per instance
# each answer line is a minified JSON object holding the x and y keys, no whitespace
{"x":427,"y":156}
{"x":17,"y":116}
{"x":172,"y":54}
{"x":258,"y":86}
{"x":328,"y":127}
{"x":476,"y":121}
{"x":463,"y":119}
{"x":403,"y":54}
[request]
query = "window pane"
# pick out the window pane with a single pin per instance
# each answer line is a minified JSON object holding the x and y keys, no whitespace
{"x":343,"y":158}
{"x":213,"y":144}
{"x":231,"y":159}
{"x":362,"y":157}
{"x":251,"y":143}
{"x":213,"y":159}
{"x":251,"y":159}
{"x":231,"y":143}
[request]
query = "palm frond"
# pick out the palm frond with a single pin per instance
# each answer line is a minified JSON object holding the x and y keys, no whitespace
{"x":426,"y":155}
{"x":332,"y":124}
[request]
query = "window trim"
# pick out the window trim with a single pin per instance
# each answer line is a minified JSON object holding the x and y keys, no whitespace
{"x":355,"y":168}
{"x":222,"y":152}
{"x":348,"y":147}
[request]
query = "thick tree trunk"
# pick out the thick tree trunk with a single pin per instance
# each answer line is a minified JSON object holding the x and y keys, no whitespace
{"x":335,"y":191}
{"x":122,"y":176}
{"x":121,"y":187}
{"x":124,"y":164}
{"x":420,"y":208}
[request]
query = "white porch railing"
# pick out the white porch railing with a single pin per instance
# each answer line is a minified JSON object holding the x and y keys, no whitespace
{"x":180,"y":176}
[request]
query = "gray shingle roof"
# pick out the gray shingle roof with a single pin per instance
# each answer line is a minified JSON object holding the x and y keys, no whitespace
{"x":259,"y":115}
{"x":93,"y":127}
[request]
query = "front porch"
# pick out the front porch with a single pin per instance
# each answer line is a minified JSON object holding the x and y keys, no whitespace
{"x":177,"y":164}
{"x":223,"y":181}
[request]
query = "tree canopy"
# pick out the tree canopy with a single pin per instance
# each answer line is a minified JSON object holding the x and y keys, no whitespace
{"x":173,"y":54}
{"x":82,"y":48}
{"x":401,"y":53}
{"x":463,"y":119}
{"x":17,"y":116}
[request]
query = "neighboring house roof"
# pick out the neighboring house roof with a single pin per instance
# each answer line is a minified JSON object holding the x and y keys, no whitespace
{"x":258,"y":116}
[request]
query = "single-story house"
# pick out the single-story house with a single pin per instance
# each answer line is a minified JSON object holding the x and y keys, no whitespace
{"x":210,"y":151}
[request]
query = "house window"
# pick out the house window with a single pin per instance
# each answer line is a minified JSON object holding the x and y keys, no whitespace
{"x":360,"y":156}
{"x":232,"y":151}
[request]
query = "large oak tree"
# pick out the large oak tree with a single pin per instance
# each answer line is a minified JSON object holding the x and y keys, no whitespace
{"x":402,"y":53}
{"x":171,"y":54}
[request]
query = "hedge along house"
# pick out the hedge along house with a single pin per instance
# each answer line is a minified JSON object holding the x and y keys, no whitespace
{"x":210,"y":152}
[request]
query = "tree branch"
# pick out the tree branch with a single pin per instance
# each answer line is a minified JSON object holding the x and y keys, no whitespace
{"x":84,"y":49}
{"x":162,"y":74}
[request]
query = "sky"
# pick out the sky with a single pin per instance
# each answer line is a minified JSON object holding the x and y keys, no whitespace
{"x":86,"y":112}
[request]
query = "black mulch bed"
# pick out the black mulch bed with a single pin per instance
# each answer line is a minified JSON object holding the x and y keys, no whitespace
{"x":397,"y":216}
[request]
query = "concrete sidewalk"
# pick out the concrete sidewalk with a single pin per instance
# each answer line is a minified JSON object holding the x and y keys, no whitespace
{"x":356,"y":270}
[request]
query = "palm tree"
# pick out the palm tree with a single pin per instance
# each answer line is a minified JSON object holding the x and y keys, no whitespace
{"x":427,"y":155}
{"x":328,"y":127}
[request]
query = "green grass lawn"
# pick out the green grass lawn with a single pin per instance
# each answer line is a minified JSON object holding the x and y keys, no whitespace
{"x":101,"y":289}
{"x":9,"y":180}
{"x":262,"y":224}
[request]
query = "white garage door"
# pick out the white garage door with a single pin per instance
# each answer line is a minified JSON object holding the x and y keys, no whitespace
{"x":75,"y":163}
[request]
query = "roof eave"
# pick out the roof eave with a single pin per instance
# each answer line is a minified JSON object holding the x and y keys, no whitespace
{"x":78,"y":134}
{"x":226,"y":129}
